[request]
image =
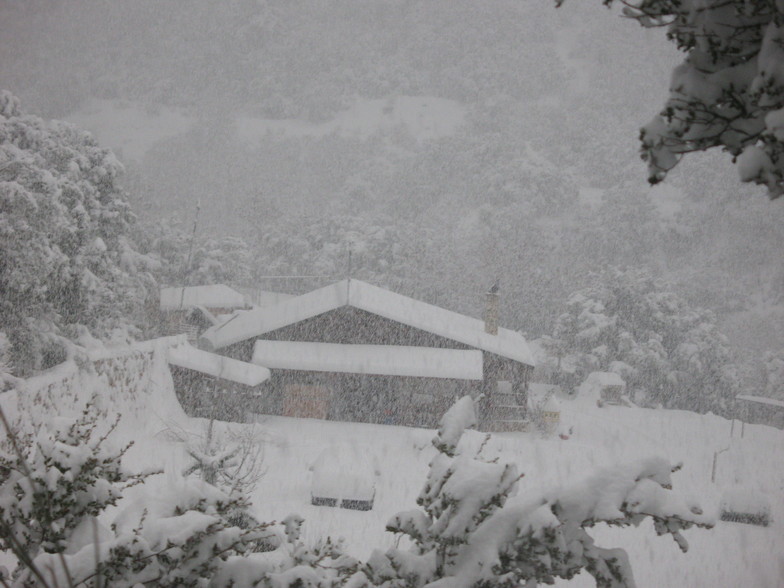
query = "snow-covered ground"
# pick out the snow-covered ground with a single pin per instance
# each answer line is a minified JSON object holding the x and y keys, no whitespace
{"x":731,"y":554}
{"x":127,"y":127}
{"x":423,"y":117}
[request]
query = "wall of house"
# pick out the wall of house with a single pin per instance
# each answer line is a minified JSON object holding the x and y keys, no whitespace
{"x":379,"y":399}
{"x":393,"y":400}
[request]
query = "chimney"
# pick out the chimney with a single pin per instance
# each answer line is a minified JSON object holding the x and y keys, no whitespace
{"x":491,"y":312}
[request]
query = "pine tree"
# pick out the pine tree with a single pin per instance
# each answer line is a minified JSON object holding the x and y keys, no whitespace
{"x":728,"y":92}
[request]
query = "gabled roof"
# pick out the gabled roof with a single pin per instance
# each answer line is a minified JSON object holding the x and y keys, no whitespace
{"x":375,"y":300}
{"x":213,"y":296}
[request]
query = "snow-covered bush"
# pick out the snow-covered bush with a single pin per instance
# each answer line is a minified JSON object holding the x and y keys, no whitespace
{"x":728,"y":92}
{"x":175,"y":535}
{"x":7,"y":378}
{"x":774,"y":374}
{"x":473,"y":531}
{"x":232,"y":462}
{"x":54,"y":482}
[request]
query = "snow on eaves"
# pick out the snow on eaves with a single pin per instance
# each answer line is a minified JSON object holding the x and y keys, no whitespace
{"x":188,"y":357}
{"x":361,"y":295}
{"x":382,"y":360}
{"x":212,"y":296}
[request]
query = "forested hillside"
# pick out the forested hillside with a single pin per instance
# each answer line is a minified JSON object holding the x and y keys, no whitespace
{"x":454,"y":143}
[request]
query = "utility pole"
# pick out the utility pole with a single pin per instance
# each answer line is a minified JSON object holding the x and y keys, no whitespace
{"x":190,"y":253}
{"x":348,"y":270}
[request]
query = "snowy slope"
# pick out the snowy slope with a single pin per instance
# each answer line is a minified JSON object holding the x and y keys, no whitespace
{"x":128,"y":128}
{"x":729,"y":555}
{"x":423,"y":117}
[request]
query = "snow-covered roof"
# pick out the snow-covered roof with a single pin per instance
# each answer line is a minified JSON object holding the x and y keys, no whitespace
{"x":402,"y":309}
{"x":212,"y":364}
{"x":382,"y":360}
{"x":761,"y":400}
{"x":605,"y":379}
{"x":264,"y":297}
{"x":213,"y":296}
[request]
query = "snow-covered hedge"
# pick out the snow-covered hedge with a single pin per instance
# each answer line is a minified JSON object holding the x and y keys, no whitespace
{"x":130,"y":380}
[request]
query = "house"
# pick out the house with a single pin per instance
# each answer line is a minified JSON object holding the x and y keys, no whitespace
{"x":353,"y":351}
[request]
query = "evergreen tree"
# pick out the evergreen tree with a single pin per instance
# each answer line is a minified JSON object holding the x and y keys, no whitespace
{"x":728,"y":92}
{"x":668,"y":352}
{"x":66,"y":260}
{"x":474,"y":532}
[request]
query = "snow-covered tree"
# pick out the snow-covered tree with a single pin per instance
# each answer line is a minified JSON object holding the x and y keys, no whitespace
{"x":182,"y":258}
{"x":473,"y":531}
{"x":229,"y":461}
{"x":774,"y":374}
{"x":53,"y":483}
{"x":66,"y":260}
{"x":668,"y":352}
{"x":728,"y":92}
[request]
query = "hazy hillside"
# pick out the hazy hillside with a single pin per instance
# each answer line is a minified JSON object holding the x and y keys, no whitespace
{"x":480,"y":140}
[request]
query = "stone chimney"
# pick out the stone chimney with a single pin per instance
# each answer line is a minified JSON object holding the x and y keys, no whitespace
{"x":491,"y":312}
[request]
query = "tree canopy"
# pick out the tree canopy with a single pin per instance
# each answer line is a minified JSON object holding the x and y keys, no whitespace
{"x":729,"y":90}
{"x":67,"y":263}
{"x":668,"y":352}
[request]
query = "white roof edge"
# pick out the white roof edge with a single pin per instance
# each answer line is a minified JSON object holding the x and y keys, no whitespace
{"x":440,"y":321}
{"x":226,"y":368}
{"x":216,"y":295}
{"x":381,"y":360}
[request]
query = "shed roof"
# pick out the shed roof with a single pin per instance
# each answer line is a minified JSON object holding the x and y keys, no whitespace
{"x":396,"y":307}
{"x":212,"y":296}
{"x":383,"y":360}
{"x":605,"y":379}
{"x":212,"y":364}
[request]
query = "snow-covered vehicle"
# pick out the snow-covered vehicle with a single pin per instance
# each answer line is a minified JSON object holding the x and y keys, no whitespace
{"x":604,"y":388}
{"x":343,"y":476}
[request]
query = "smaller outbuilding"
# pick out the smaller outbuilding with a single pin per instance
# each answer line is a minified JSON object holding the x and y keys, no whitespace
{"x":191,"y":310}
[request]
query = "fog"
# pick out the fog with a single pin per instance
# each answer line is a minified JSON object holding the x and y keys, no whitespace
{"x":368,"y":212}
